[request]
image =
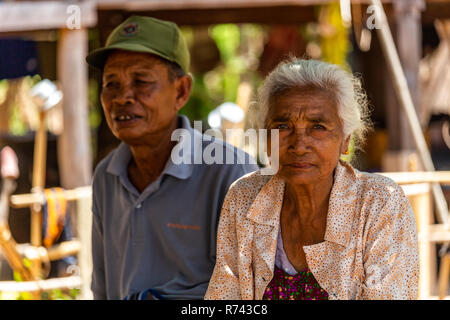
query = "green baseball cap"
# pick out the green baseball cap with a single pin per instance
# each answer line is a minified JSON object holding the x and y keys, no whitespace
{"x":144,"y":34}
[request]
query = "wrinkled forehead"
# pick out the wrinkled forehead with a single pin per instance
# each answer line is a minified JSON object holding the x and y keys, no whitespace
{"x":120,"y":60}
{"x":304,"y":101}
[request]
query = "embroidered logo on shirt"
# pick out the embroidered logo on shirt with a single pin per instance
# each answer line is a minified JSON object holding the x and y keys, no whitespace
{"x":182,"y":226}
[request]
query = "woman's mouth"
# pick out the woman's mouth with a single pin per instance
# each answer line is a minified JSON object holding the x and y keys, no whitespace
{"x":300,"y":165}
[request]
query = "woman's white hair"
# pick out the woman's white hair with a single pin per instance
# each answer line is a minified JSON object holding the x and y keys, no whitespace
{"x":346,"y":88}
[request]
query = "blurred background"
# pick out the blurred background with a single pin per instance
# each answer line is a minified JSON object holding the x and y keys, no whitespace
{"x":234,"y":44}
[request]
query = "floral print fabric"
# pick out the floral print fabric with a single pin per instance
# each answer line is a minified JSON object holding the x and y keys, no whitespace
{"x":301,"y":286}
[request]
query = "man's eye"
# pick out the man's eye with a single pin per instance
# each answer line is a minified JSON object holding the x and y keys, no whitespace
{"x":142,"y":82}
{"x":111,"y":84}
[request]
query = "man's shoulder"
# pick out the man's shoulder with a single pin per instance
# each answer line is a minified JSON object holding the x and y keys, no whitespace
{"x":232,"y":158}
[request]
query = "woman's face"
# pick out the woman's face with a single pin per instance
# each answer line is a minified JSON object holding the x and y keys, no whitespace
{"x":311,"y":137}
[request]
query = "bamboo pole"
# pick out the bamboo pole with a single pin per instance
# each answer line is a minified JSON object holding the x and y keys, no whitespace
{"x":29,"y":199}
{"x":404,"y":96}
{"x":38,"y":183}
{"x":442,"y":177}
{"x":41,"y":285}
{"x":63,"y":249}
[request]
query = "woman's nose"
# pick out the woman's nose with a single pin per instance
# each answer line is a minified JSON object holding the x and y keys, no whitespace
{"x":300,"y":141}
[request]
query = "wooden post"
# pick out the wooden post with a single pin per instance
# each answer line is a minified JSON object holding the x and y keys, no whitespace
{"x":408,"y":35}
{"x":419,"y":196}
{"x":74,"y":144}
{"x":84,"y":214}
{"x":403,"y":94}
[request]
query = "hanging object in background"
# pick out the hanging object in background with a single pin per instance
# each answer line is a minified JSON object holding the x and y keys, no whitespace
{"x":225,"y":116}
{"x":46,"y":95}
{"x":55,"y":209}
{"x":20,"y":114}
{"x":434,"y":76}
{"x":363,"y":35}
{"x":283,"y":41}
{"x":206,"y":55}
{"x":346,"y":12}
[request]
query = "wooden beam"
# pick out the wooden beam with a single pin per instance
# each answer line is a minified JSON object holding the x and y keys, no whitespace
{"x":109,"y":19}
{"x":137,"y":5}
{"x":41,"y":15}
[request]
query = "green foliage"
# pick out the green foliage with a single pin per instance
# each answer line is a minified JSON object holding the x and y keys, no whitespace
{"x":95,"y":116}
{"x":239,"y":58}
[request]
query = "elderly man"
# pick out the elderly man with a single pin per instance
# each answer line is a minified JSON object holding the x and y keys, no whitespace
{"x":154,"y":221}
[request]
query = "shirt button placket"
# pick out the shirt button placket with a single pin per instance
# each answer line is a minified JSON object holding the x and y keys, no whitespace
{"x":137,"y":234}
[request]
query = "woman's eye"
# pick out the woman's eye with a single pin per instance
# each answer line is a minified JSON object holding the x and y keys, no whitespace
{"x":319,"y":127}
{"x":281,"y":126}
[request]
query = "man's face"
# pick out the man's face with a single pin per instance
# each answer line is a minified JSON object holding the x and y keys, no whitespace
{"x":138,"y":98}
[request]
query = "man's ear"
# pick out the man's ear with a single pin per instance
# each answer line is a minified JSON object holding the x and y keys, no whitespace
{"x":183,"y":87}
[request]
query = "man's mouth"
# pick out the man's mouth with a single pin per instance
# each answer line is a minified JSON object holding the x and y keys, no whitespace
{"x":126,"y":117}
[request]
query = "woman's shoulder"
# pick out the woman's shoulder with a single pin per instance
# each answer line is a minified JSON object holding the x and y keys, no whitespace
{"x":250,"y":182}
{"x":377,"y":184}
{"x":372,"y":191}
{"x":247,"y":187}
{"x":366,"y":182}
{"x":380,"y":193}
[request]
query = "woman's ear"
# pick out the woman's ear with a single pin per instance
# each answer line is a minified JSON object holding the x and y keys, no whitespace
{"x":345,"y":145}
{"x":183,"y":87}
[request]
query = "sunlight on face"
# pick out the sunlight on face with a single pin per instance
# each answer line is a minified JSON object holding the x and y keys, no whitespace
{"x":311,"y":138}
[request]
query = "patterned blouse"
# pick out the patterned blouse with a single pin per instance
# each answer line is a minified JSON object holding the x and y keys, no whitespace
{"x":370,"y":247}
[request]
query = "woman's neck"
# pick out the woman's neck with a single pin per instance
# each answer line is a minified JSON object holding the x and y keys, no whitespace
{"x":310,"y":201}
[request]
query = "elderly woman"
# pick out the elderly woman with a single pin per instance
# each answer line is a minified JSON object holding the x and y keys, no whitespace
{"x":318,"y":228}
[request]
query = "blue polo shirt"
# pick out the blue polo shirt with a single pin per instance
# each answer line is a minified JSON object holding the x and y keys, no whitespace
{"x":165,"y":237}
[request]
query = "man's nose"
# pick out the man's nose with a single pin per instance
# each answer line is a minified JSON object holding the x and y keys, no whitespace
{"x":124,"y":95}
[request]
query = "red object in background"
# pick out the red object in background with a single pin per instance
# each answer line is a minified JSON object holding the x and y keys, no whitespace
{"x":283,"y":42}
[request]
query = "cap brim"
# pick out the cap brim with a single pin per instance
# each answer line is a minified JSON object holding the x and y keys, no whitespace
{"x":97,"y":58}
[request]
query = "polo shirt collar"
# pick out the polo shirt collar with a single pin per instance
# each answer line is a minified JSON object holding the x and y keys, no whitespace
{"x":122,"y":156}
